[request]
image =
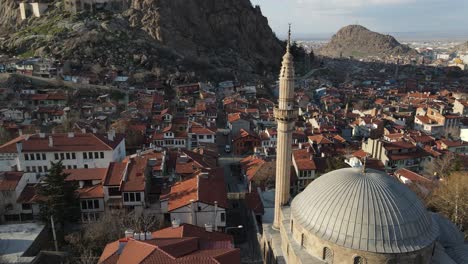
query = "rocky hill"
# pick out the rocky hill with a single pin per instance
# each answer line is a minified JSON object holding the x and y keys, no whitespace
{"x":208,"y":37}
{"x":358,"y":41}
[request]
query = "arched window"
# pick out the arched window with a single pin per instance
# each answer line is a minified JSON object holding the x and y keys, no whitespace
{"x":327,"y":255}
{"x":359,"y":260}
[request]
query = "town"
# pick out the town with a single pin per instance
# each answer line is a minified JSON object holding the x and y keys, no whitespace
{"x":106,"y":165}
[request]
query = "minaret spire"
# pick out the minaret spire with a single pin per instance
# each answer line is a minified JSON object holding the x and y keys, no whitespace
{"x":285,"y":114}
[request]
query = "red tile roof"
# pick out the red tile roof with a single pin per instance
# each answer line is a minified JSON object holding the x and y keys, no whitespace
{"x":86,"y":174}
{"x":115,"y":173}
{"x":188,"y":230}
{"x":62,"y":142}
{"x":304,"y":159}
{"x":185,"y":244}
{"x":412,"y":176}
{"x":9,"y":180}
{"x":91,"y":192}
{"x":320,"y":139}
{"x":203,"y":187}
{"x":29,"y":195}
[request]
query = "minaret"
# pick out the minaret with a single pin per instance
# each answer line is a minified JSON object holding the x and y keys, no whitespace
{"x":285,"y":114}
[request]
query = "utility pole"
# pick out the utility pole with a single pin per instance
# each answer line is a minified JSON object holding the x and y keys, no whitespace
{"x":53,"y":232}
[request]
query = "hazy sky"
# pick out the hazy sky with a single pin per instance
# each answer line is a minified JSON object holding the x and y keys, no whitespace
{"x":326,"y":16}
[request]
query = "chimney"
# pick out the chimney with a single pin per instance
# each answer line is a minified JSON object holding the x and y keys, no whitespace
{"x":42,"y":135}
{"x":94,"y":130}
{"x":148,"y":235}
{"x":19,"y":147}
{"x":215,"y":215}
{"x":71,"y":134}
{"x":128,"y":233}
{"x":83,"y":130}
{"x":122,"y":243}
{"x":175,"y":223}
{"x":51,"y":142}
{"x":208,"y":228}
{"x":192,"y":207}
{"x":111,"y":134}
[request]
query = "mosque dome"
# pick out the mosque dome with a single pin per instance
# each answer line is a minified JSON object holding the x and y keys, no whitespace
{"x":368,"y":211}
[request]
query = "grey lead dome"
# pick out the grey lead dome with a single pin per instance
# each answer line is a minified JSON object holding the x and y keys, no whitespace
{"x":371,"y":212}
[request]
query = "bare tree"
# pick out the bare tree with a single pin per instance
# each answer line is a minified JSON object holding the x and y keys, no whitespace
{"x":451,"y":199}
{"x":441,"y":166}
{"x":91,"y":240}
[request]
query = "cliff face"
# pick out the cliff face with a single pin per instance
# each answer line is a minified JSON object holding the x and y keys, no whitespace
{"x":195,"y":27}
{"x":231,"y":37}
{"x":358,"y":41}
{"x":8,"y":16}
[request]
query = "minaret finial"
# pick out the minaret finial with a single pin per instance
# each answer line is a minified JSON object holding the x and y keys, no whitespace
{"x":289,"y":37}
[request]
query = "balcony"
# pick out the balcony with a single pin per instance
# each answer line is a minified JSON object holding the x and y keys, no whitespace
{"x":286,"y":115}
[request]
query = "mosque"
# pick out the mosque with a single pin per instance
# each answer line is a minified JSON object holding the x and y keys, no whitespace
{"x":352,"y":215}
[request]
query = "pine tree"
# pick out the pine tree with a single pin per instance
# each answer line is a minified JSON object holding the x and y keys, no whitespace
{"x":60,"y":198}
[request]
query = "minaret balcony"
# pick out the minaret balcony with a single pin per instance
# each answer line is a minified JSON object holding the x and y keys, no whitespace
{"x":286,"y":115}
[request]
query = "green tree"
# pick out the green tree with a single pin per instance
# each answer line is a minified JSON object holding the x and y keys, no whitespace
{"x":335,"y":163}
{"x":60,"y":198}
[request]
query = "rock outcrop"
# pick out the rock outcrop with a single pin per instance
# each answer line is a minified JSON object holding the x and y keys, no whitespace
{"x":359,"y":42}
{"x":8,"y":16}
{"x":223,"y":36}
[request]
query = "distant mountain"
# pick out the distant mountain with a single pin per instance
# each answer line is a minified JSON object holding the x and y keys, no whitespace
{"x":461,"y":48}
{"x":358,"y":41}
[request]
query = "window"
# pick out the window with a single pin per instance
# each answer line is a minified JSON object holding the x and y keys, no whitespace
{"x":209,"y":137}
{"x":101,"y":154}
{"x":90,"y":155}
{"x":46,"y":169}
{"x":84,"y":205}
{"x":68,"y":156}
{"x":96,"y":204}
{"x":201,"y":137}
{"x":28,"y":169}
{"x":75,"y":167}
{"x":26,"y":206}
{"x":85,"y":155}
{"x":33,"y":168}
{"x":43,"y":156}
{"x":114,"y":191}
{"x":359,"y":260}
{"x":86,"y":166}
{"x":223,"y":217}
{"x":39,"y":168}
{"x":62,"y":156}
{"x":96,"y":155}
{"x":38,"y":156}
{"x":26,"y":156}
{"x":138,"y":197}
{"x":31,"y":156}
{"x":73,"y":155}
{"x":328,"y":255}
{"x":56,"y":155}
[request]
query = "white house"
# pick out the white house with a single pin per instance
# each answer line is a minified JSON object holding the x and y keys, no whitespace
{"x":33,"y":153}
{"x":200,"y":200}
